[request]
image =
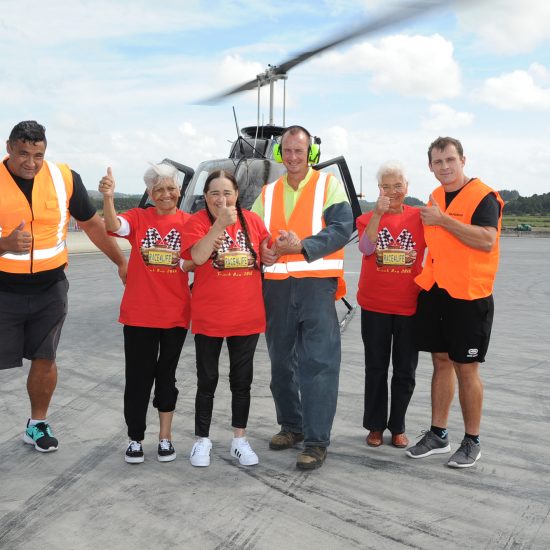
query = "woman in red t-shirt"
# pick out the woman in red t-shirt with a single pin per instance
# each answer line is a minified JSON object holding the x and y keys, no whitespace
{"x":223,"y":241}
{"x":392,"y":242}
{"x":155,"y":308}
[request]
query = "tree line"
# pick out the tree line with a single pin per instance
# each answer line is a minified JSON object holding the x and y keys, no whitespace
{"x":515,"y":203}
{"x":534,"y":205}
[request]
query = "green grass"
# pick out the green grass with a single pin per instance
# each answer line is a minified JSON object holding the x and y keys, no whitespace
{"x":536,"y":222}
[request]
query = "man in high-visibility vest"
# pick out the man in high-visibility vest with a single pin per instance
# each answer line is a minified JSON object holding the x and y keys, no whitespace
{"x":310,"y":220}
{"x":37,"y":199}
{"x":462,"y":224}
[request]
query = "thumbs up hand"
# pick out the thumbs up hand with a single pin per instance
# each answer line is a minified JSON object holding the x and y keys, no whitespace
{"x":432,"y":213}
{"x":226,"y":215}
{"x":107,"y":184}
{"x":382,"y":204}
{"x":17,"y":241}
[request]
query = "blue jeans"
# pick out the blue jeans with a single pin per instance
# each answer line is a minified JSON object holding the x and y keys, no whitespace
{"x":303,"y":340}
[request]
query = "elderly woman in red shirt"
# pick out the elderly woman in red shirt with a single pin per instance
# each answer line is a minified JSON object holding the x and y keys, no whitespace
{"x":155,"y":308}
{"x":391,"y":238}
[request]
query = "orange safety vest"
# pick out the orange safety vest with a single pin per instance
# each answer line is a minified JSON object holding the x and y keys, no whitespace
{"x":464,"y":272}
{"x":312,"y":199}
{"x":46,"y":221}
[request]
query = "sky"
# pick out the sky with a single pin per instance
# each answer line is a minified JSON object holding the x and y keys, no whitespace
{"x":118,"y":83}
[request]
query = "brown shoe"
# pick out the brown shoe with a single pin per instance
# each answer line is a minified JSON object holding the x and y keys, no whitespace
{"x":285,"y":440}
{"x":375,"y":439}
{"x":311,"y":458}
{"x":399,"y":440}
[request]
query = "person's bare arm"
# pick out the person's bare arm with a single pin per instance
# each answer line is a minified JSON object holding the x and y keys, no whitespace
{"x":474,"y":236}
{"x":107,"y":188}
{"x":95,"y":229}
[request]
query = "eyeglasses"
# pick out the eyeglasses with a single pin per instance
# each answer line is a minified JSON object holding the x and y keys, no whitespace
{"x":388,"y":188}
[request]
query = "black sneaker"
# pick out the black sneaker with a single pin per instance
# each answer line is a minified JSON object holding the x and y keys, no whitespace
{"x":134,"y":453}
{"x":40,"y":435}
{"x":166,"y":451}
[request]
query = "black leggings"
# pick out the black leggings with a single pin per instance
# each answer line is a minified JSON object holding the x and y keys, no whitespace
{"x":386,"y":335}
{"x":152,"y":355}
{"x":241,"y":354}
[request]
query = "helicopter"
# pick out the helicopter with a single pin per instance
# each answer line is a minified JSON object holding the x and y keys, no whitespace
{"x":251,"y":157}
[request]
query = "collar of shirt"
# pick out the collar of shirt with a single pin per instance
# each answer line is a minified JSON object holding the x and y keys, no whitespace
{"x":301,"y":185}
{"x":291,"y":195}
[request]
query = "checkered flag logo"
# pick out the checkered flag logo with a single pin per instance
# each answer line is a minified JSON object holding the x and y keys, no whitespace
{"x":228,"y":243}
{"x":385,"y":239}
{"x":405,"y":240}
{"x":241,"y":239}
{"x":173,"y":239}
{"x":152,"y":238}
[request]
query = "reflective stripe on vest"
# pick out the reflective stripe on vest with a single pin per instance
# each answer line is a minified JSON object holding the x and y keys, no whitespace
{"x":47,"y":220}
{"x":332,"y":265}
{"x":317,"y":224}
{"x":61,"y":192}
{"x":317,"y":265}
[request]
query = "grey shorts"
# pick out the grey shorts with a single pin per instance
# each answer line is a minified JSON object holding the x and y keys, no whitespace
{"x":30,"y":324}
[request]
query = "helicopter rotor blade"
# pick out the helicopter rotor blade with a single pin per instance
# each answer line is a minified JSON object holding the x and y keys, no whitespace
{"x":251,"y":85}
{"x":402,"y":13}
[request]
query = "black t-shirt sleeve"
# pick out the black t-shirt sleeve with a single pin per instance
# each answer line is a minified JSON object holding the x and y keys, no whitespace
{"x":487,"y":212}
{"x":80,"y":206}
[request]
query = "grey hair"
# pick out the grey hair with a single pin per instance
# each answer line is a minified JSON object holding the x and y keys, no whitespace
{"x":158,"y":172}
{"x":392,"y":167}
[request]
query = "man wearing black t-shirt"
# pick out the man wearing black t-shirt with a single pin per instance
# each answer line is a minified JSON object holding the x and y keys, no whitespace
{"x":37,"y":199}
{"x":462,"y":224}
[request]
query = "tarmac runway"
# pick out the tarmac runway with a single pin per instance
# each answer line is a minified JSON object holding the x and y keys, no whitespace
{"x":84,"y":496}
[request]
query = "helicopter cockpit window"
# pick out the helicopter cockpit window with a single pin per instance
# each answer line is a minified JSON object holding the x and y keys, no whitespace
{"x":251,"y":175}
{"x":194,"y":195}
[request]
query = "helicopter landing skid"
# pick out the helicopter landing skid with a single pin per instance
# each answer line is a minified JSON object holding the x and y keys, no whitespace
{"x":348,"y":316}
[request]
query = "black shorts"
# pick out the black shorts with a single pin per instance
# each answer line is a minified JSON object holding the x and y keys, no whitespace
{"x":461,"y":328}
{"x":30,"y":324}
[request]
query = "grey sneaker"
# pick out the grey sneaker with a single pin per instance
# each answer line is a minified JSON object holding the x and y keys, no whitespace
{"x":430,"y":444}
{"x":467,"y":455}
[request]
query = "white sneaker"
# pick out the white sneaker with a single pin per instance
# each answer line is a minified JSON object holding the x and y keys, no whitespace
{"x":241,"y":449}
{"x":200,"y":453}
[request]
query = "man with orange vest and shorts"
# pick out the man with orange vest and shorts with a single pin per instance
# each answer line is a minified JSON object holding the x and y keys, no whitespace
{"x":462,"y":224}
{"x":310,"y":220}
{"x":37,"y":199}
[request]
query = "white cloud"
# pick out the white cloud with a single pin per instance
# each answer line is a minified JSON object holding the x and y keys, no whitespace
{"x":443,"y":118}
{"x":507,"y":26}
{"x":518,"y":90}
{"x":335,"y":142}
{"x":414,"y":66}
{"x":102,"y":19}
{"x":234,"y":70}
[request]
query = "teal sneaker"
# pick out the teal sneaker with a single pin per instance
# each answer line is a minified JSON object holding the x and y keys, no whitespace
{"x":40,"y":435}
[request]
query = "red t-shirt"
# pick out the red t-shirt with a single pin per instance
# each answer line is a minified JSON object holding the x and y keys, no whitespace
{"x":386,"y":283}
{"x":227,"y":300}
{"x":157,"y":290}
